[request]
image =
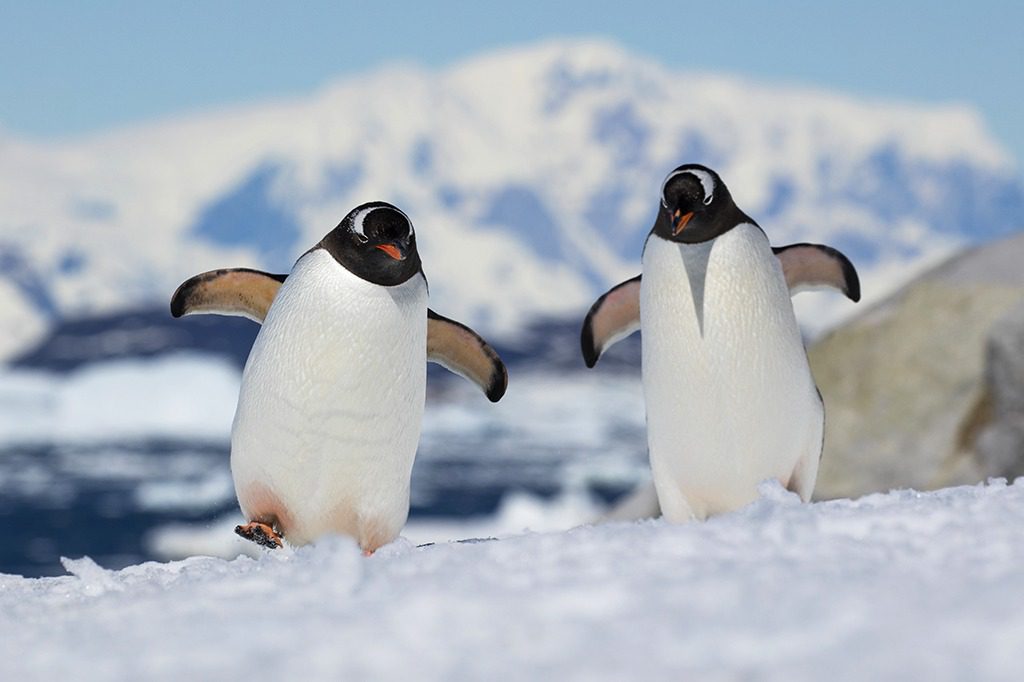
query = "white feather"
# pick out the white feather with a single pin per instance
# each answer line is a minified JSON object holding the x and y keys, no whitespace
{"x":331,"y":404}
{"x":730,"y":401}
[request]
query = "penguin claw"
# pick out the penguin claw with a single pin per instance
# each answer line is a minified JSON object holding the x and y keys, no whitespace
{"x":261,"y":534}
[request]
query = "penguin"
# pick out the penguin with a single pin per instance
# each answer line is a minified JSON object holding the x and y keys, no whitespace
{"x":332,"y":394}
{"x":727,"y":386}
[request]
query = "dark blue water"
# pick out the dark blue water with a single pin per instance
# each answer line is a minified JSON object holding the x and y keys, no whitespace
{"x":105,"y":500}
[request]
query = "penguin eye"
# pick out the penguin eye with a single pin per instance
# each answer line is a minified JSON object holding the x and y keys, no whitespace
{"x":361,"y":238}
{"x":708,"y":199}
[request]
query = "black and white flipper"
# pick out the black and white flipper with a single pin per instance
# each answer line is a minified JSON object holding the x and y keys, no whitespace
{"x":461,"y":350}
{"x":816,"y":266}
{"x":612,"y":318}
{"x":239,"y":292}
{"x":807,"y":267}
{"x":249,"y":293}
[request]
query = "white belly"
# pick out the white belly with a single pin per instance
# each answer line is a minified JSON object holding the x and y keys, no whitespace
{"x":729,"y":394}
{"x":331,"y":405}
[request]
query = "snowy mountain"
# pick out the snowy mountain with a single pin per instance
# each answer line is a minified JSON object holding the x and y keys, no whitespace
{"x":531,"y":175}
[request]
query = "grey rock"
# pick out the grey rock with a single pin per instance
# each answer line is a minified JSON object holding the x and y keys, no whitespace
{"x":1000,"y":448}
{"x":1004,"y":371}
{"x":1000,"y":443}
{"x":915,"y":387}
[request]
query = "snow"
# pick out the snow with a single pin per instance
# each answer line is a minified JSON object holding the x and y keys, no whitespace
{"x":176,"y":396}
{"x":192,"y":397}
{"x":906,"y":584}
{"x":919,"y":585}
{"x":20,"y":324}
{"x":584,"y":130}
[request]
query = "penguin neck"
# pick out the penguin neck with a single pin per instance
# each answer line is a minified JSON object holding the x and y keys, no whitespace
{"x":704,"y":227}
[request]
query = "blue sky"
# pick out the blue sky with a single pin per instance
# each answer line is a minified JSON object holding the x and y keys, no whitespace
{"x":74,"y":67}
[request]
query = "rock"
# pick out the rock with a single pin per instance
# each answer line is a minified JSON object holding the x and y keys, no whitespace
{"x":1000,"y":442}
{"x":1000,"y":448}
{"x":1004,"y":372}
{"x":917,"y":391}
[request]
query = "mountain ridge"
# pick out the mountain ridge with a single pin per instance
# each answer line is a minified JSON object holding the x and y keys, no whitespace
{"x":531,"y":175}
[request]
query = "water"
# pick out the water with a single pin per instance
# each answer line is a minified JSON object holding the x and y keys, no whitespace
{"x":105,"y":501}
{"x":77,"y":495}
{"x":117,"y":426}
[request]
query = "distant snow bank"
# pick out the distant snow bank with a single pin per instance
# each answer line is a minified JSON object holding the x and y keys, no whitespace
{"x":185,"y":396}
{"x":907,"y":584}
{"x":192,"y":397}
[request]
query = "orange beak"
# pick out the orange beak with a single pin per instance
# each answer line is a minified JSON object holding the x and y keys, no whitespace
{"x":681,"y":221}
{"x":391,"y":250}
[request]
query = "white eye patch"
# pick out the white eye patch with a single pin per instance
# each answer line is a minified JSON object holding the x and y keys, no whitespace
{"x":359,"y":219}
{"x":706,"y":181}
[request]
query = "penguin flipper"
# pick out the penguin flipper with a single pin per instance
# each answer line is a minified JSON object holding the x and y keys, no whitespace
{"x":612,"y":318}
{"x":811,"y":266}
{"x":461,"y":350}
{"x":235,"y":291}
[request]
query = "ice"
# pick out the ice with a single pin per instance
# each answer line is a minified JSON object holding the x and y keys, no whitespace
{"x":90,"y":463}
{"x":901,"y":585}
{"x":192,"y":397}
{"x":210,"y":490}
{"x":183,"y":396}
{"x":550,"y":429}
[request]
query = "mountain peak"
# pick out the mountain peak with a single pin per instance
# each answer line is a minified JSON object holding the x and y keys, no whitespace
{"x":531,"y":173}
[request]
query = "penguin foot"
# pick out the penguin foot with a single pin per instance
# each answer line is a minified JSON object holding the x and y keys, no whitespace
{"x":261,"y":534}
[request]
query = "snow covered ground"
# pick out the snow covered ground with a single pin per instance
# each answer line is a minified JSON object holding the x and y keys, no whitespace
{"x":911,"y":585}
{"x":921,"y":586}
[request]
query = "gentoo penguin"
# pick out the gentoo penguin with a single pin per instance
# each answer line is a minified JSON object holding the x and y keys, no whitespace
{"x":729,"y":394}
{"x":331,"y":402}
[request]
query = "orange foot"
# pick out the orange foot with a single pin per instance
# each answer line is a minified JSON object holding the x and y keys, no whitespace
{"x":260,"y":533}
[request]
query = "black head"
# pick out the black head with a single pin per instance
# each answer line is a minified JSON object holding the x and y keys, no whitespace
{"x":375,"y":241}
{"x":696,"y":206}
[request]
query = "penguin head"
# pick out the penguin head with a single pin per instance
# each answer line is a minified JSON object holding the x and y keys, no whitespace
{"x":375,"y":241}
{"x":695,"y":206}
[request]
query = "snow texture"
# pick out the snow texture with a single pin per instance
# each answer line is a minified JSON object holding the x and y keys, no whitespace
{"x":916,"y":586}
